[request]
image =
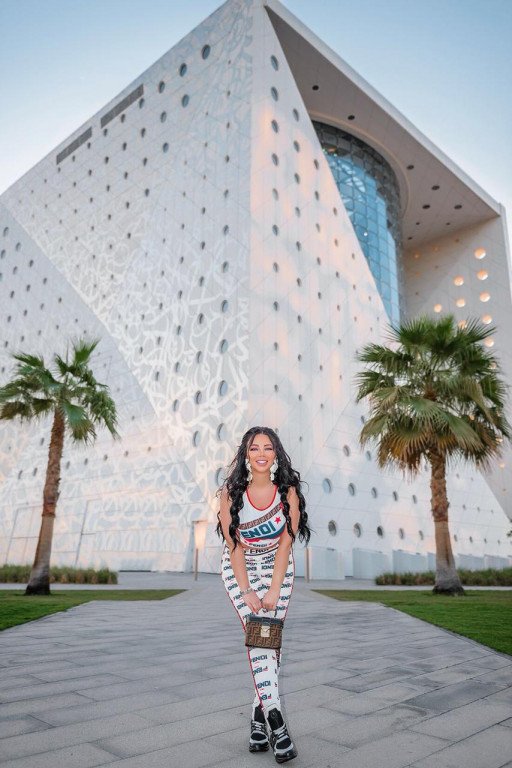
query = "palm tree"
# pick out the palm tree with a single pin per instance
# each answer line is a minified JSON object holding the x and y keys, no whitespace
{"x":438,"y":398}
{"x":76,"y":401}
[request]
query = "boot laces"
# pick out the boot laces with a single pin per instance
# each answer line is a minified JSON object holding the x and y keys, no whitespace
{"x":280,"y":732}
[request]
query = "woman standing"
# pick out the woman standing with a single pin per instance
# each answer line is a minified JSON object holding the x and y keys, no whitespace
{"x":261,"y":510}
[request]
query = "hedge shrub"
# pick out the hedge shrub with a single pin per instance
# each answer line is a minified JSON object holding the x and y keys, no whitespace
{"x":19,"y":574}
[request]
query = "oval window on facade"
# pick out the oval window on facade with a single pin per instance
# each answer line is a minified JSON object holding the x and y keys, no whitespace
{"x":327,"y":485}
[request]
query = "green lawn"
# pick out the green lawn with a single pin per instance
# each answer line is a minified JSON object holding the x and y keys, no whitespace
{"x":17,"y":608}
{"x":482,"y":615}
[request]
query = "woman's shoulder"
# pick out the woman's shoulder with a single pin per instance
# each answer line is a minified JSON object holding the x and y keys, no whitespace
{"x":224,"y":495}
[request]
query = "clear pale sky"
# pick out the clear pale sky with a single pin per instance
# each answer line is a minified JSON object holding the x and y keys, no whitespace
{"x":445,"y":64}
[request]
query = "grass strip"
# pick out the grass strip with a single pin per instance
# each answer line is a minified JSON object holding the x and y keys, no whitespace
{"x":481,"y":615}
{"x":17,"y":608}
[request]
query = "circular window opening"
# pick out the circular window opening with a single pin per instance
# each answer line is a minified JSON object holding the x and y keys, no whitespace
{"x":368,"y":455}
{"x":161,"y":86}
{"x":176,"y":405}
{"x":165,"y":147}
{"x":352,"y":489}
{"x":224,"y":306}
{"x":274,"y":93}
{"x":414,"y":499}
{"x":182,"y":70}
{"x":206,"y":51}
{"x":223,"y":346}
{"x":327,"y":485}
{"x":275,"y":159}
{"x":374,"y":493}
{"x":225,"y":266}
{"x":198,"y":396}
{"x":332,"y":527}
{"x":401,"y":533}
{"x":357,"y":530}
{"x":218,"y":476}
{"x":275,"y":126}
{"x":221,"y":432}
{"x":196,"y":438}
{"x":274,"y":62}
{"x":380,"y":531}
{"x":421,"y":535}
{"x":185,"y":99}
{"x":295,"y":114}
{"x":395,"y":495}
{"x":346,"y":450}
{"x":223,"y":388}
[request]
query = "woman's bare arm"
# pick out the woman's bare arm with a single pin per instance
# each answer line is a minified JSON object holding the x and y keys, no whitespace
{"x":236,"y":554}
{"x":270,"y":599}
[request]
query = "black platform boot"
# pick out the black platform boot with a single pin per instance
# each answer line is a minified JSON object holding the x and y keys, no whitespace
{"x":280,"y":738}
{"x":258,"y":740}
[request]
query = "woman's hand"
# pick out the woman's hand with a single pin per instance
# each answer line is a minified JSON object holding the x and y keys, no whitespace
{"x":252,"y":600}
{"x":269,"y":599}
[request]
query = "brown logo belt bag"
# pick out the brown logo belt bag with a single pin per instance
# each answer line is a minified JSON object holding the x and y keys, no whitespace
{"x":263,"y":631}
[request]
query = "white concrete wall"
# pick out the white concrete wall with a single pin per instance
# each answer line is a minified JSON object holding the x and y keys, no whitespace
{"x":133,"y":274}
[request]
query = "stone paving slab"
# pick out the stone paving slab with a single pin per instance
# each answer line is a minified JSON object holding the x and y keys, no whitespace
{"x":167,"y":683}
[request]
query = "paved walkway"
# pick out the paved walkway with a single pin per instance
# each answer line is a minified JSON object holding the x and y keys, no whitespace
{"x":167,"y":684}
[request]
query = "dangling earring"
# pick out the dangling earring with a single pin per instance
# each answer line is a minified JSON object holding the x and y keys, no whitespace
{"x":273,"y":470}
{"x":249,"y":472}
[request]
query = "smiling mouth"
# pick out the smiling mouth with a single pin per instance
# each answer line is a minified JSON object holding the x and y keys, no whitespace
{"x":261,"y":463}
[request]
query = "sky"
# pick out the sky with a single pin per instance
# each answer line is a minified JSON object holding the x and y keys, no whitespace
{"x":445,"y":64}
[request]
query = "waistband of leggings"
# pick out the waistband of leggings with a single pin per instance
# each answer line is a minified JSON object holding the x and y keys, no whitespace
{"x":255,"y":553}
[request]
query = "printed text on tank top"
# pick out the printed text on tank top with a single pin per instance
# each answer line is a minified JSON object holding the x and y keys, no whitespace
{"x":261,"y":528}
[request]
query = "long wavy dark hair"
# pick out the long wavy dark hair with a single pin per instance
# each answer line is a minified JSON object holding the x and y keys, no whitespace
{"x":236,"y":483}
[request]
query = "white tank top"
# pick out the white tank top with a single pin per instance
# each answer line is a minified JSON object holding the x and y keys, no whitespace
{"x":261,"y":528}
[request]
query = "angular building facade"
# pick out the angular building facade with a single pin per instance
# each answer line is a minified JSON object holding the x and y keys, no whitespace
{"x":234,"y":226}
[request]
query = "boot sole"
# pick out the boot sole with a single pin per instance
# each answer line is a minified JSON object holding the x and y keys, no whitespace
{"x":263,"y":748}
{"x":285,"y":758}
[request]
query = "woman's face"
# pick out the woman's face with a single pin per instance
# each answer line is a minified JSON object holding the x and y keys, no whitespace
{"x":261,"y":455}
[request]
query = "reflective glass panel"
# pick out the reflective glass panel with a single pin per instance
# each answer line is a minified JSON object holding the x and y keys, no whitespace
{"x":370,"y":192}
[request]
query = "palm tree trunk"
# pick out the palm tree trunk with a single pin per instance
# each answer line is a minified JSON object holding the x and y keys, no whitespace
{"x":39,"y":581}
{"x":447,"y":579}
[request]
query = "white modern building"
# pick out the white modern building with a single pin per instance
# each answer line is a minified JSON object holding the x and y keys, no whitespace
{"x":234,"y":225}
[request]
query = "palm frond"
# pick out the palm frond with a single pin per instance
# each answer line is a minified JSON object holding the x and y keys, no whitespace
{"x":15,"y":409}
{"x":438,"y":389}
{"x":80,"y":426}
{"x":82,"y":350}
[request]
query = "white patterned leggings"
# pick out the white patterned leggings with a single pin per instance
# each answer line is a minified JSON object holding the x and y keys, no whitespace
{"x":265,"y":663}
